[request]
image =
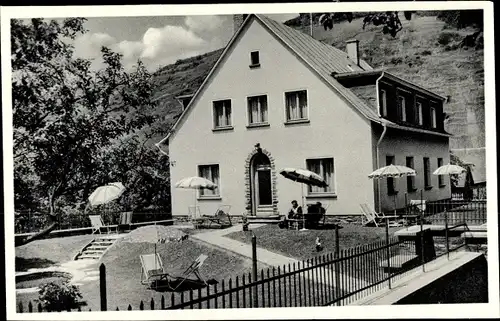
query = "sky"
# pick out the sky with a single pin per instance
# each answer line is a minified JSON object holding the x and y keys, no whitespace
{"x":158,"y":40}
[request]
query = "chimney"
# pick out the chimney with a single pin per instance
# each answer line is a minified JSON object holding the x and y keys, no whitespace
{"x":238,"y":21}
{"x":352,"y":48}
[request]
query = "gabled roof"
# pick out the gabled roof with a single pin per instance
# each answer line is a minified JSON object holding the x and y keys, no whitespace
{"x":325,"y":60}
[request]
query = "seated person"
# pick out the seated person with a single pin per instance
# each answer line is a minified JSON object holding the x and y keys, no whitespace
{"x":295,"y":211}
{"x":320,"y":208}
{"x":316,"y":209}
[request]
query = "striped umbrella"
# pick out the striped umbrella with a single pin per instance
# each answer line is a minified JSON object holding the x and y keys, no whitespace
{"x":107,"y":193}
{"x":305,"y":177}
{"x":449,"y":169}
{"x":195,"y":183}
{"x":392,"y":171}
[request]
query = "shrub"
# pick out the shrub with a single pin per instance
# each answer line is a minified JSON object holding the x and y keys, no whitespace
{"x":59,"y":297}
{"x":445,"y":38}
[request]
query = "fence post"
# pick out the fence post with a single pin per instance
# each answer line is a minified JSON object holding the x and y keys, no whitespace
{"x":254,"y":269}
{"x":446,"y":234}
{"x":337,"y":257}
{"x":388,"y":251}
{"x":102,"y":284}
{"x":422,"y":241}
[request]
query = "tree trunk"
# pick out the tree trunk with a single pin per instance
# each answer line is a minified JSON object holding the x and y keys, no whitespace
{"x":53,"y":222}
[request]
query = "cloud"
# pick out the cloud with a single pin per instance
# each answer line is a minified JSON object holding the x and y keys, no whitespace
{"x":89,"y":45}
{"x":158,"y":46}
{"x":169,"y":40}
{"x":203,"y":24}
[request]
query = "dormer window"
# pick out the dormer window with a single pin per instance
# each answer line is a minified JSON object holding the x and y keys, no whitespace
{"x":254,"y":59}
{"x":402,"y":108}
{"x":433,"y":117}
{"x":419,"y":115}
{"x":383,"y":102}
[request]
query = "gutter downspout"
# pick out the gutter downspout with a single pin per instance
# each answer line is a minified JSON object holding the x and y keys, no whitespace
{"x":379,"y":141}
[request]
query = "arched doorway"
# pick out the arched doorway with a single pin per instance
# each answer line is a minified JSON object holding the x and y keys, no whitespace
{"x":261,"y":185}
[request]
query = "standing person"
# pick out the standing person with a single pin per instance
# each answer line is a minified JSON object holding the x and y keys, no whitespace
{"x":295,"y":211}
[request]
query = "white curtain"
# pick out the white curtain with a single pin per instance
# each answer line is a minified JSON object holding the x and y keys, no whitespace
{"x":324,"y":168}
{"x":263,"y":109}
{"x":210,"y":172}
{"x":254,"y":110}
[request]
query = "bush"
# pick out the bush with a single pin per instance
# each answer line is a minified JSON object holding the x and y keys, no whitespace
{"x":59,"y":297}
{"x":445,"y":38}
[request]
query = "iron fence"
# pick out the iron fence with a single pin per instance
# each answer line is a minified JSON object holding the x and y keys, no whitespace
{"x":338,"y":278}
{"x":331,"y":279}
{"x":31,"y":221}
{"x":472,"y":212}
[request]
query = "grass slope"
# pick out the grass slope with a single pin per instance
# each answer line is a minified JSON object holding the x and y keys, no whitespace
{"x":421,"y":53}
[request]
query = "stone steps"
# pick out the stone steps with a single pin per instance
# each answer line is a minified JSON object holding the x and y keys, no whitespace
{"x":96,"y":249}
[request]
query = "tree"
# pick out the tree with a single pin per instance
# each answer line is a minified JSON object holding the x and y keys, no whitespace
{"x":389,"y":20}
{"x":66,"y":116}
{"x":391,"y":24}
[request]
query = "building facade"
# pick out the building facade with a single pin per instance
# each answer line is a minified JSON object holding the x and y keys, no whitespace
{"x":278,"y":98}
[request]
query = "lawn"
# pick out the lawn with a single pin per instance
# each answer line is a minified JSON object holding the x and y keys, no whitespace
{"x":301,"y":244}
{"x":123,"y":267}
{"x":47,"y":252}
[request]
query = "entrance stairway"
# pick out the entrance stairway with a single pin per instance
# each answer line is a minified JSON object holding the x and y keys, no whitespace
{"x":270,"y":219}
{"x":97,"y":247}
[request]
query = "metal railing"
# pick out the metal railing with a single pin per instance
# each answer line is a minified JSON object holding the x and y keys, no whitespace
{"x":30,"y":221}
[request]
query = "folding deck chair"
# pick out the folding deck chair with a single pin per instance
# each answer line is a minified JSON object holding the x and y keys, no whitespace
{"x":125,"y":221}
{"x":153,"y":272}
{"x":371,"y":215}
{"x":220,"y":217}
{"x":97,"y":224}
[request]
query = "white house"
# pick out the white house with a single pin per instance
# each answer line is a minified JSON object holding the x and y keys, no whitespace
{"x":279,"y":98}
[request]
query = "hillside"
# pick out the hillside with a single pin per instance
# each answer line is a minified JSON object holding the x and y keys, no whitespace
{"x":424,"y":52}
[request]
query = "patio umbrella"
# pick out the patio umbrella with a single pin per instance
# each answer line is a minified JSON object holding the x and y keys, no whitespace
{"x":107,"y":193}
{"x":305,"y":177}
{"x":195,"y":183}
{"x":391,"y":171}
{"x":449,"y":169}
{"x":157,"y":234}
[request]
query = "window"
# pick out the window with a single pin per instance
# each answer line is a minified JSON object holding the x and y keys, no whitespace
{"x":427,"y":173}
{"x":402,"y":108}
{"x":440,"y":177}
{"x":433,"y":117}
{"x":383,"y":102}
{"x":257,"y":110}
{"x":296,"y":105}
{"x":419,"y":115}
{"x":210,"y":172}
{"x":222,"y":113}
{"x":410,"y":180}
{"x":324,"y":168}
{"x":254,"y":59}
{"x":391,"y":188}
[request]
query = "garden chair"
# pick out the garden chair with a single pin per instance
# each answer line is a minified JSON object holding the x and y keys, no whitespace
{"x":379,"y":217}
{"x":220,"y":217}
{"x":97,"y":224}
{"x":369,"y":216}
{"x":125,"y":221}
{"x":153,"y":272}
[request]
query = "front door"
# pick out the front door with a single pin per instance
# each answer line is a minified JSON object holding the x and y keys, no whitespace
{"x":262,"y":198}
